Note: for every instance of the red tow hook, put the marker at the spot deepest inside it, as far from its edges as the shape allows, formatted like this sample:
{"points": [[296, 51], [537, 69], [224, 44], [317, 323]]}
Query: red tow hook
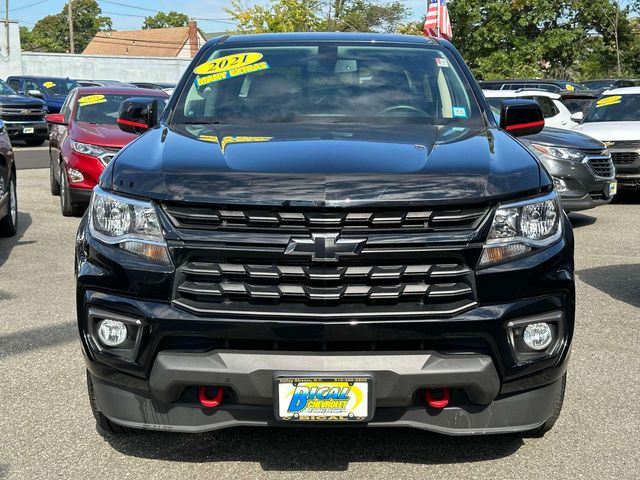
{"points": [[442, 402], [210, 402]]}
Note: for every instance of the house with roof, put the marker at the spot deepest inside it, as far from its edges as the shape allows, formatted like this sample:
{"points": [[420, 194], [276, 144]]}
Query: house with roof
{"points": [[175, 42]]}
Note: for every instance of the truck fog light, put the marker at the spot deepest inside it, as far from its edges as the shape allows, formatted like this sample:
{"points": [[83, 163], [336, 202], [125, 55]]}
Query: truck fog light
{"points": [[112, 332], [538, 336], [75, 176], [560, 185]]}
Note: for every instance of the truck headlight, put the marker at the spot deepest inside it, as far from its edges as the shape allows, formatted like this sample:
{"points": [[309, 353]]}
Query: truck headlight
{"points": [[131, 225], [87, 149], [522, 227], [556, 153]]}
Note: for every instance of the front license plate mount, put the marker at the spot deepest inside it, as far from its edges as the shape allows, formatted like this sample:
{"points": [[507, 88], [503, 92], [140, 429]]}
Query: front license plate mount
{"points": [[613, 188], [28, 130], [337, 398]]}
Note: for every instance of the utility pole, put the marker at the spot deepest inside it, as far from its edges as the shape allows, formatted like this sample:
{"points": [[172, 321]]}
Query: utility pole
{"points": [[6, 23], [70, 14]]}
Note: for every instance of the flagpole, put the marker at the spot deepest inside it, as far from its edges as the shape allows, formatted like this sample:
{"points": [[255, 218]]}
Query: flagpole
{"points": [[438, 19]]}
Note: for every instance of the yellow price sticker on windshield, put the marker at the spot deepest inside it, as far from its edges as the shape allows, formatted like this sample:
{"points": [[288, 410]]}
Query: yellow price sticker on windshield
{"points": [[49, 84], [569, 87], [230, 62], [607, 101], [91, 100]]}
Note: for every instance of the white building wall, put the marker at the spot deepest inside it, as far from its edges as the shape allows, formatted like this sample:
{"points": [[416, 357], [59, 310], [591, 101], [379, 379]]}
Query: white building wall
{"points": [[10, 63], [104, 67]]}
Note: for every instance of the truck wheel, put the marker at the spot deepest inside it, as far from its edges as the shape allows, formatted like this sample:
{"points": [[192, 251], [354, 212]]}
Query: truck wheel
{"points": [[548, 425], [102, 422], [55, 186], [66, 203], [34, 142], [9, 224]]}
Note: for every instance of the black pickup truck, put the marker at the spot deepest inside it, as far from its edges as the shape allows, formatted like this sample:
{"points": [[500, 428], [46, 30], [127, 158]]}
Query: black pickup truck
{"points": [[23, 116], [326, 229]]}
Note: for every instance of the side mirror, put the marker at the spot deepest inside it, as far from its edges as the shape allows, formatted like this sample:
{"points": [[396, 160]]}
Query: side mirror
{"points": [[521, 117], [137, 115], [577, 117], [35, 93], [56, 118]]}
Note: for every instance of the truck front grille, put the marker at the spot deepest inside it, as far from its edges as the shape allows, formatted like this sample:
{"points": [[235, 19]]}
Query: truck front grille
{"points": [[624, 158]]}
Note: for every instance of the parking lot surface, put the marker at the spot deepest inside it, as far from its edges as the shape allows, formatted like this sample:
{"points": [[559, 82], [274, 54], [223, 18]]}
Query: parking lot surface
{"points": [[47, 431]]}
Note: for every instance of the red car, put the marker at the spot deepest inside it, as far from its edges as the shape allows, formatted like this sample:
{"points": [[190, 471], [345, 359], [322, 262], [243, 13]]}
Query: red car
{"points": [[84, 138]]}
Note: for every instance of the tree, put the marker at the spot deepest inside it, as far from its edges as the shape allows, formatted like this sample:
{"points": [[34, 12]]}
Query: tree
{"points": [[165, 20], [319, 15], [51, 33]]}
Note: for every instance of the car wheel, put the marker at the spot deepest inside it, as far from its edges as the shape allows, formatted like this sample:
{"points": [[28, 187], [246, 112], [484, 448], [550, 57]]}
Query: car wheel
{"points": [[557, 408], [55, 186], [66, 202], [103, 423], [34, 142], [9, 224]]}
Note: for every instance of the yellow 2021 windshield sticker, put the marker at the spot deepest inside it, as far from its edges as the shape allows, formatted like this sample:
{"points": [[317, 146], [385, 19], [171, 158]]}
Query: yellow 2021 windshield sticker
{"points": [[49, 84], [229, 66], [91, 100], [607, 101]]}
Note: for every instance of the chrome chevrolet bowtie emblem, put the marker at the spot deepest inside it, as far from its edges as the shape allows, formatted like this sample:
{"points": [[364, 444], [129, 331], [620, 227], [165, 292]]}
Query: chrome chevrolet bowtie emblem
{"points": [[325, 247], [609, 144]]}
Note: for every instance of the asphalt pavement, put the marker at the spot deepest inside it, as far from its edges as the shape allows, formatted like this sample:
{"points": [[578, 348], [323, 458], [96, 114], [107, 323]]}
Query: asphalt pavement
{"points": [[47, 431]]}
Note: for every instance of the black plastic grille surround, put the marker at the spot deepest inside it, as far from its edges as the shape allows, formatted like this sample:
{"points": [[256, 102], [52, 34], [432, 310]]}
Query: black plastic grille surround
{"points": [[377, 274]]}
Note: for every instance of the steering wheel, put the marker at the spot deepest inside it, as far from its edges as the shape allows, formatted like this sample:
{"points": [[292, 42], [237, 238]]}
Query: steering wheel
{"points": [[405, 107]]}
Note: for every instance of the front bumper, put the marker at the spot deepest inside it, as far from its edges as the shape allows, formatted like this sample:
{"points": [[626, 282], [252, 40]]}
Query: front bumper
{"points": [[16, 130]]}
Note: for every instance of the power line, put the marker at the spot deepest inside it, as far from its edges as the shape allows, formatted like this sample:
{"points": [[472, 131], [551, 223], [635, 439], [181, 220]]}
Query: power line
{"points": [[135, 7]]}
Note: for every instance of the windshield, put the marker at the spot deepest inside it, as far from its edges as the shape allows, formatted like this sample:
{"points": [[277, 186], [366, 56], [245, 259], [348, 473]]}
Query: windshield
{"points": [[59, 87], [103, 109], [615, 108], [6, 89], [327, 83], [598, 84]]}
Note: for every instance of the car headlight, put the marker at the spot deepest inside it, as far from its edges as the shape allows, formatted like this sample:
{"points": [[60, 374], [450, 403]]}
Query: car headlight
{"points": [[87, 149], [131, 225], [557, 153], [520, 228]]}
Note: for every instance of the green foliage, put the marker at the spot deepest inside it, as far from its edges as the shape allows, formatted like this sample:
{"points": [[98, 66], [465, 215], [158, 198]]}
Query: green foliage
{"points": [[51, 33], [319, 15], [165, 20]]}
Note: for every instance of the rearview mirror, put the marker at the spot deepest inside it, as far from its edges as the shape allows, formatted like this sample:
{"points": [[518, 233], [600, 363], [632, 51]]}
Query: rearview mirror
{"points": [[521, 117], [56, 118], [577, 117], [137, 115], [35, 93]]}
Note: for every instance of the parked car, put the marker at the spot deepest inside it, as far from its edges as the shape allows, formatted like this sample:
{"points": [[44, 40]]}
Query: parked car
{"points": [[581, 167], [578, 101], [105, 83], [8, 191], [22, 117], [326, 228], [84, 139], [548, 85], [556, 114], [52, 90], [155, 85], [600, 86], [615, 120]]}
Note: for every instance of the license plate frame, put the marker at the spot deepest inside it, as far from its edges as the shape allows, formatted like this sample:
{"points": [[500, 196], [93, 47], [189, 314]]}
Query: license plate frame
{"points": [[362, 411], [613, 188], [28, 130]]}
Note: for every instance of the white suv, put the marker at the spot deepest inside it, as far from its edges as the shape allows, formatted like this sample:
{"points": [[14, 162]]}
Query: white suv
{"points": [[555, 113]]}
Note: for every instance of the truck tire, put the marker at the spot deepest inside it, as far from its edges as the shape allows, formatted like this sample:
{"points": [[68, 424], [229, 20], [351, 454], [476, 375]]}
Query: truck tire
{"points": [[53, 182], [9, 224], [103, 423], [548, 425]]}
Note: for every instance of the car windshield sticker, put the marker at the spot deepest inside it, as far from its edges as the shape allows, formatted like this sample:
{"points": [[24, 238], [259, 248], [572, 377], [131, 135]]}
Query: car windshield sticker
{"points": [[229, 67], [229, 140], [49, 84], [91, 100], [459, 112], [442, 62], [569, 87], [606, 101]]}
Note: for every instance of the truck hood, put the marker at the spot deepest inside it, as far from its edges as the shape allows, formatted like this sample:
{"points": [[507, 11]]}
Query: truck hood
{"points": [[13, 100], [611, 131], [103, 135], [324, 165]]}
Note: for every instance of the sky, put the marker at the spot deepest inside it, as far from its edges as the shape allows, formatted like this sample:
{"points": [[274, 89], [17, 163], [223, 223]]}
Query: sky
{"points": [[129, 14]]}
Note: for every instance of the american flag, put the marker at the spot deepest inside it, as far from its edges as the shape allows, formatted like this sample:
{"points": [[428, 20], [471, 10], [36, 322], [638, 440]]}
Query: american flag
{"points": [[438, 23]]}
